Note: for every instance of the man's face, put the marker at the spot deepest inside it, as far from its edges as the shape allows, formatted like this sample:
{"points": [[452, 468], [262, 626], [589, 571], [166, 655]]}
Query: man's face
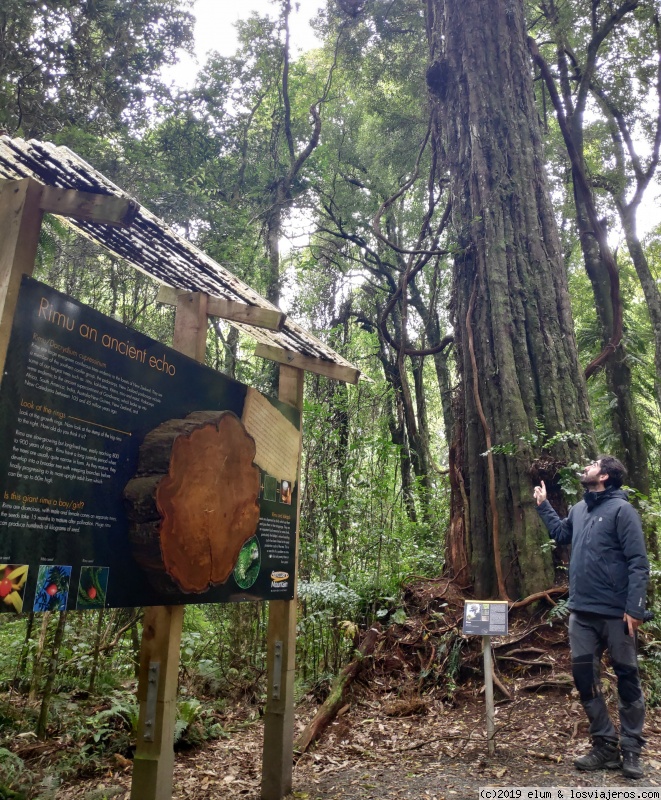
{"points": [[592, 476]]}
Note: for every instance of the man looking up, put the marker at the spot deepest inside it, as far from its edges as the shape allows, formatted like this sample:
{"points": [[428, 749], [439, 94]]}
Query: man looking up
{"points": [[608, 574]]}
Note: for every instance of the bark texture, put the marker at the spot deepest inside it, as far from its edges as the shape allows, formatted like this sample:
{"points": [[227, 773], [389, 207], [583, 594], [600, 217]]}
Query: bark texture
{"points": [[524, 352]]}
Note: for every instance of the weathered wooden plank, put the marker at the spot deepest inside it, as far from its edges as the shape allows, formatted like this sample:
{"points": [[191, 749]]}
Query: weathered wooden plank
{"points": [[317, 365], [20, 222], [191, 324], [153, 763], [107, 209], [278, 752], [231, 310]]}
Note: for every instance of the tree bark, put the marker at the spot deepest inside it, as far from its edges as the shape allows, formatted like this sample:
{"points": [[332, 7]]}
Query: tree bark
{"points": [[649, 286], [23, 663], [96, 653], [397, 426], [509, 251]]}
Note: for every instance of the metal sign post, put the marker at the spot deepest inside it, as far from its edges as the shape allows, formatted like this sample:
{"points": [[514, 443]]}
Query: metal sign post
{"points": [[488, 693], [487, 618]]}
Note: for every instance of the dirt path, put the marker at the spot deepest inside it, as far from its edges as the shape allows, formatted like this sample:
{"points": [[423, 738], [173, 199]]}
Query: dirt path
{"points": [[438, 755]]}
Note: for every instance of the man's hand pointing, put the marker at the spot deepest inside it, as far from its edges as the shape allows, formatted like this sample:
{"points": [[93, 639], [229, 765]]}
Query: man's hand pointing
{"points": [[540, 493]]}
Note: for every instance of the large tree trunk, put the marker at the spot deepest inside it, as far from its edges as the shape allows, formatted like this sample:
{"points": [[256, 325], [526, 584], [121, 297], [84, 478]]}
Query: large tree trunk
{"points": [[399, 428], [96, 650], [510, 276], [398, 437]]}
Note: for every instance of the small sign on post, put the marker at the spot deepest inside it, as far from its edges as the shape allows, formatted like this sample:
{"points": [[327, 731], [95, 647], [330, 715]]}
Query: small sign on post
{"points": [[486, 618]]}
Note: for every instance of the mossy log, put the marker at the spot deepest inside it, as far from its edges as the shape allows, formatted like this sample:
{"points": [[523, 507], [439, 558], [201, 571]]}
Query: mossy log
{"points": [[194, 500], [335, 700]]}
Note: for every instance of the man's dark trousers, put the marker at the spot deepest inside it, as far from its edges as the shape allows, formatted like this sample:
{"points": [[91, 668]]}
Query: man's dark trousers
{"points": [[589, 636]]}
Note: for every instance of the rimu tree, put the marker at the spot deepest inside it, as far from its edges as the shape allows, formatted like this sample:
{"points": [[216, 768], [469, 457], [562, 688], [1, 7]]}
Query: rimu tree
{"points": [[514, 338]]}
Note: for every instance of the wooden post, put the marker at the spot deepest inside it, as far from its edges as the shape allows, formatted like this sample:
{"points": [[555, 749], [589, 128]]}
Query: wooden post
{"points": [[488, 694], [20, 222], [278, 752], [153, 764]]}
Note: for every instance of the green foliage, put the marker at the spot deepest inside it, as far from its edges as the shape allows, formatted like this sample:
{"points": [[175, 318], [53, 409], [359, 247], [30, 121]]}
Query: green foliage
{"points": [[328, 596], [539, 442], [399, 617], [122, 715], [12, 644], [326, 606], [569, 481], [559, 612], [650, 663], [86, 65], [649, 509], [14, 776], [506, 449], [209, 162], [650, 669], [88, 734], [196, 724], [453, 665], [536, 443], [188, 712]]}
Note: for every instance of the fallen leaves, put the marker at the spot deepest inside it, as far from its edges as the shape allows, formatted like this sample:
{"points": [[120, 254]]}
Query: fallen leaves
{"points": [[439, 756]]}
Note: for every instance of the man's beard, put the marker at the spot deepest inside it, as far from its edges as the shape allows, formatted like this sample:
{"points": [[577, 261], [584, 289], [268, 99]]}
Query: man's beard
{"points": [[587, 483]]}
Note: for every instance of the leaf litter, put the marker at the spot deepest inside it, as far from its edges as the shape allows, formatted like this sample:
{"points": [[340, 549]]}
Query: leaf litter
{"points": [[405, 731]]}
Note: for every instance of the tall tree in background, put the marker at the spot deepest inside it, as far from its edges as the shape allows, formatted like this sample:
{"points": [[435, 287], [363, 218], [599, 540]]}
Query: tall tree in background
{"points": [[514, 338], [380, 214]]}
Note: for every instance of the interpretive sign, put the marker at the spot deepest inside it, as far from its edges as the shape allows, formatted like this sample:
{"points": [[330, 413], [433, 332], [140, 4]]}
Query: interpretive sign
{"points": [[131, 475], [485, 617]]}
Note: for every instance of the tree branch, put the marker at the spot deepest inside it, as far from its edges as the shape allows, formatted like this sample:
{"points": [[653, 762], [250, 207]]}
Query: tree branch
{"points": [[583, 185]]}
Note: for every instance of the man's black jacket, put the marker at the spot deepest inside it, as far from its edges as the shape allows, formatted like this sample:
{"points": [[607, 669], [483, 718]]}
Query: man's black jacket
{"points": [[608, 568]]}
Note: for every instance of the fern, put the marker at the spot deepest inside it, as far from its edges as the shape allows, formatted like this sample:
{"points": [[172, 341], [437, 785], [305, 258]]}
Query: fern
{"points": [[559, 612]]}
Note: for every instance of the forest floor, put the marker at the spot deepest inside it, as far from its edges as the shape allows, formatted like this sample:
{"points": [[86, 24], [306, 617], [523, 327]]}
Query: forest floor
{"points": [[413, 724], [438, 755]]}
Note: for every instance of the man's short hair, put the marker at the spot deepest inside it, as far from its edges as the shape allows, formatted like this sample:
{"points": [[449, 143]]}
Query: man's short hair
{"points": [[615, 470]]}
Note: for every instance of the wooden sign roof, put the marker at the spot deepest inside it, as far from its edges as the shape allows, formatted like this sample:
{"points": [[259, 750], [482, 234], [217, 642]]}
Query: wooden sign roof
{"points": [[146, 242]]}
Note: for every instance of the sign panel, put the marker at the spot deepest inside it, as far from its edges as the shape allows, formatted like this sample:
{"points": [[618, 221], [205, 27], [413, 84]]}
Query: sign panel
{"points": [[485, 617], [132, 475]]}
